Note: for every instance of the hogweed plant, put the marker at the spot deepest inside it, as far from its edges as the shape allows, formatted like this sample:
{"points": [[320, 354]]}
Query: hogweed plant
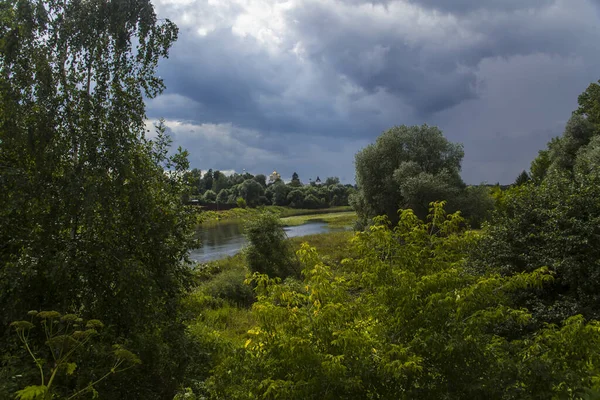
{"points": [[63, 336]]}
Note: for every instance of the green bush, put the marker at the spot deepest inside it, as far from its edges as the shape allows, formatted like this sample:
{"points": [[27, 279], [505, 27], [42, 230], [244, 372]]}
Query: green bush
{"points": [[209, 196], [554, 224], [229, 285], [269, 252], [241, 203]]}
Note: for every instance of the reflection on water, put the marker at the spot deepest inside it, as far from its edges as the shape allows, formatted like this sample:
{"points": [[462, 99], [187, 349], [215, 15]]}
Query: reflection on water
{"points": [[227, 239]]}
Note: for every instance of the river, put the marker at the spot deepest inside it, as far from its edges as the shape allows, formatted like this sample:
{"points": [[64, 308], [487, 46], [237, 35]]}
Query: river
{"points": [[227, 239]]}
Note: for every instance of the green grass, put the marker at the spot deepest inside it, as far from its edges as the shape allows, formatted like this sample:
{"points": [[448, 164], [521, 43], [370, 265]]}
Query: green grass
{"points": [[220, 324], [206, 271], [291, 212], [334, 219], [331, 246], [236, 215], [217, 311]]}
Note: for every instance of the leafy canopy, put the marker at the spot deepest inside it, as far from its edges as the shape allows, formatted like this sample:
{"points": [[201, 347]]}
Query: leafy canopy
{"points": [[403, 318], [89, 221], [408, 167]]}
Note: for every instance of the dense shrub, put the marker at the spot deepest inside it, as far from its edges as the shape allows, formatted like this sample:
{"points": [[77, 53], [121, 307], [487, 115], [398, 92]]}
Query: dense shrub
{"points": [[269, 253], [555, 224], [209, 196], [229, 285], [404, 319]]}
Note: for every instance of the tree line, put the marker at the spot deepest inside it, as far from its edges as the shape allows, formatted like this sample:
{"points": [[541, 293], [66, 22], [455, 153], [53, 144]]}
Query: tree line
{"points": [[256, 190]]}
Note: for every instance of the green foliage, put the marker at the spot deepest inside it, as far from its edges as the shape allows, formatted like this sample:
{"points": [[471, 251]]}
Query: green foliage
{"points": [[311, 201], [55, 351], [295, 198], [404, 319], [229, 285], [295, 182], [476, 203], [229, 188], [223, 196], [210, 196], [268, 251], [562, 152], [588, 158], [419, 188], [278, 192], [261, 179], [539, 166], [408, 167], [332, 180], [522, 179], [332, 246], [33, 393], [554, 224], [89, 220], [589, 104], [208, 180], [251, 191], [241, 203]]}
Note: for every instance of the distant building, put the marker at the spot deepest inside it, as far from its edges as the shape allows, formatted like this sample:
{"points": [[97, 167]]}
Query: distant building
{"points": [[318, 181], [274, 177]]}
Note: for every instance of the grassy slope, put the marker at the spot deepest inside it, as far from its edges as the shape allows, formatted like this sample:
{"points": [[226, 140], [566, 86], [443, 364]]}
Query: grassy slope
{"points": [[333, 219], [290, 212], [331, 246], [237, 214], [210, 317]]}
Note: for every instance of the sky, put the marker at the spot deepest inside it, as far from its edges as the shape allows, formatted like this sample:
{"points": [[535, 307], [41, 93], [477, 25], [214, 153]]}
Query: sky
{"points": [[302, 85]]}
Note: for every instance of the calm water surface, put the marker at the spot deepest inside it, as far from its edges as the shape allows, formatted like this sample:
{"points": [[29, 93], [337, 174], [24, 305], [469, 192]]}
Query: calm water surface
{"points": [[227, 239]]}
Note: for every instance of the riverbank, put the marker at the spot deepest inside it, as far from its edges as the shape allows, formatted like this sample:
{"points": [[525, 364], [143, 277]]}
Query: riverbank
{"points": [[225, 238], [334, 220], [332, 245], [207, 218], [219, 307]]}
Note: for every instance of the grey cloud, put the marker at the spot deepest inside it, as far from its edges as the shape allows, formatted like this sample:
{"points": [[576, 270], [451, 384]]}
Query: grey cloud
{"points": [[498, 76], [430, 75], [231, 79], [470, 6], [223, 146], [219, 74]]}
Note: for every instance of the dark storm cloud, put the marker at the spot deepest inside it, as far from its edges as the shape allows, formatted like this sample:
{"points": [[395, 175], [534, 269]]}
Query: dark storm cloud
{"points": [[231, 79], [262, 82], [219, 75], [434, 70], [376, 57]]}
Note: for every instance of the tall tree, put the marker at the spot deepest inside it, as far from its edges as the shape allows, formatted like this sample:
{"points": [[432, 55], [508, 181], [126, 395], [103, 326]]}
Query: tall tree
{"points": [[539, 166], [522, 179], [251, 191], [220, 181], [589, 104], [402, 166], [208, 180], [561, 152], [262, 179], [295, 180], [332, 180], [89, 221]]}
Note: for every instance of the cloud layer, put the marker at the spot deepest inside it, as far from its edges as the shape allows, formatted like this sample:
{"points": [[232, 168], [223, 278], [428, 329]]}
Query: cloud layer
{"points": [[302, 85]]}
